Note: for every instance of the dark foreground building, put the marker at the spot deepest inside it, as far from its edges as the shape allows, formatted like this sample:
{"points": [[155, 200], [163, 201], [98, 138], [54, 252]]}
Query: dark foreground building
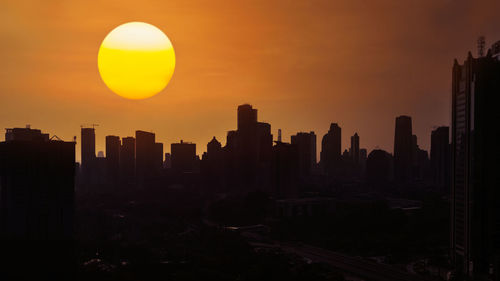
{"points": [[36, 206], [475, 192]]}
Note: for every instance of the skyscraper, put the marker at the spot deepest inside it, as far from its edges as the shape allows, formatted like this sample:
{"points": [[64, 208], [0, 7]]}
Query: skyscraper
{"points": [[36, 204], [306, 149], [127, 160], [87, 153], [440, 157], [144, 155], [475, 192], [403, 149], [379, 167], [285, 168], [183, 156], [331, 149], [158, 156], [355, 148], [113, 158], [247, 116]]}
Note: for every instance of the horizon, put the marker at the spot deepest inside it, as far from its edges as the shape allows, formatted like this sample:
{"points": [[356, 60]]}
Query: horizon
{"points": [[51, 80]]}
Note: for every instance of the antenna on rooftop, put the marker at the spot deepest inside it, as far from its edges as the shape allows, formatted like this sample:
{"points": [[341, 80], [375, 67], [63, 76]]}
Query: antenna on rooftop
{"points": [[480, 46], [279, 135]]}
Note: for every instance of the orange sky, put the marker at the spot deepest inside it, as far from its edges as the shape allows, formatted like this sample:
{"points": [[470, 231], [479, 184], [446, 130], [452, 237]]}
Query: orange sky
{"points": [[302, 64]]}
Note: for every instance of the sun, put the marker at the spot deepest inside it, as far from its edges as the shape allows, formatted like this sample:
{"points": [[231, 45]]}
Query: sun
{"points": [[136, 60]]}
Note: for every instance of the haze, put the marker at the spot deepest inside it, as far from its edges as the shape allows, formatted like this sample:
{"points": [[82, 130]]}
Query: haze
{"points": [[302, 64]]}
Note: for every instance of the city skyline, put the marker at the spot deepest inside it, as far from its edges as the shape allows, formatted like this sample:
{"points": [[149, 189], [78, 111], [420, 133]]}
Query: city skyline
{"points": [[294, 93]]}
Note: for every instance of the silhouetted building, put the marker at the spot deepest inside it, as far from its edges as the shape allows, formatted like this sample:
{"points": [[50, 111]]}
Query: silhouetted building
{"points": [[88, 154], [127, 160], [183, 156], [213, 165], [403, 149], [379, 167], [214, 148], [113, 158], [247, 117], [36, 205], [249, 152], [475, 212], [158, 156], [440, 157], [331, 149], [355, 148], [306, 148], [285, 168], [144, 156]]}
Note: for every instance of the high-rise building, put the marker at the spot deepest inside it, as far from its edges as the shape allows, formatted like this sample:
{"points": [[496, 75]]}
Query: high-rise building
{"points": [[306, 148], [36, 204], [440, 157], [247, 116], [183, 156], [379, 167], [403, 149], [113, 158], [144, 156], [285, 168], [331, 150], [127, 160], [475, 192], [158, 156], [214, 148], [88, 154], [355, 148]]}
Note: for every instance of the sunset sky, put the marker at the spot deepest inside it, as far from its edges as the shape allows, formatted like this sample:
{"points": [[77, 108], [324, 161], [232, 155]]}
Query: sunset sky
{"points": [[302, 64]]}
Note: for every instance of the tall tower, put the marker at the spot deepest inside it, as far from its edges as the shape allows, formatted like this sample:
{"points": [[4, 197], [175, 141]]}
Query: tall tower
{"points": [[144, 155], [306, 148], [403, 149], [355, 148], [331, 149], [88, 146], [247, 117], [475, 211], [113, 157]]}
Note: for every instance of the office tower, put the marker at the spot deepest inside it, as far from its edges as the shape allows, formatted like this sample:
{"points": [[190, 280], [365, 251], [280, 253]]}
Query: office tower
{"points": [[88, 154], [403, 149], [247, 116], [113, 158], [36, 205], [440, 157], [475, 192], [212, 166], [249, 152], [183, 156], [158, 156], [355, 148], [214, 148], [127, 160], [379, 167], [331, 149], [285, 168], [144, 156], [306, 148]]}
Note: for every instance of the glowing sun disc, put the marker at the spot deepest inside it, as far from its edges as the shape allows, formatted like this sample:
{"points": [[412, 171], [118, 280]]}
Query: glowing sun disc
{"points": [[136, 60]]}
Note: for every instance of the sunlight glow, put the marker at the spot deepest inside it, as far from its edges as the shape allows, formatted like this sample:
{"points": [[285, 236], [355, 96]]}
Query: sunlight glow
{"points": [[136, 60]]}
